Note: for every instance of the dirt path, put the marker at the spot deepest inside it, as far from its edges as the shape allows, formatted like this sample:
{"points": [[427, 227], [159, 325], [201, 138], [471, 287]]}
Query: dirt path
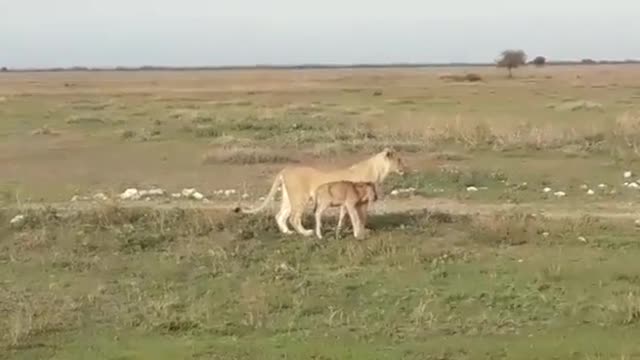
{"points": [[618, 210]]}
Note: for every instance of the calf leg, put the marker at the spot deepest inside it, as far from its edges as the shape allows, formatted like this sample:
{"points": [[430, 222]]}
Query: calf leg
{"points": [[319, 212], [355, 220], [343, 210]]}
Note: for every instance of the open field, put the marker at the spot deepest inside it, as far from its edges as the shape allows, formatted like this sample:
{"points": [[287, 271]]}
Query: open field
{"points": [[507, 271]]}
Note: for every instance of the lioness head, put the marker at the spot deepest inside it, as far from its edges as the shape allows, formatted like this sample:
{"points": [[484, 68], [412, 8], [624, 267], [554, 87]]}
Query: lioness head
{"points": [[395, 162]]}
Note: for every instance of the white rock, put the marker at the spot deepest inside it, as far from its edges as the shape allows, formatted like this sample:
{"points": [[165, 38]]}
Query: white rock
{"points": [[625, 184], [130, 194], [590, 192], [602, 186], [394, 192], [196, 195], [155, 192], [559, 193], [188, 192], [582, 239], [219, 192], [100, 196], [627, 174], [245, 196], [546, 190], [637, 222], [143, 193], [584, 186], [261, 198], [75, 198], [545, 234], [176, 195], [472, 189], [633, 185], [17, 220]]}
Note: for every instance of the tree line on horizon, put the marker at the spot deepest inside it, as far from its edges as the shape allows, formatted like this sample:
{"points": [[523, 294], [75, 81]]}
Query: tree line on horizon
{"points": [[509, 59]]}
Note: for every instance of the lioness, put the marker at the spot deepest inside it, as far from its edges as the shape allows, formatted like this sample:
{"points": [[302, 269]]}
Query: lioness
{"points": [[352, 197], [299, 182]]}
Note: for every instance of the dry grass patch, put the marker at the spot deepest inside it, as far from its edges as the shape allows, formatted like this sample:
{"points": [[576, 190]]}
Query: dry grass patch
{"points": [[246, 156], [470, 77]]}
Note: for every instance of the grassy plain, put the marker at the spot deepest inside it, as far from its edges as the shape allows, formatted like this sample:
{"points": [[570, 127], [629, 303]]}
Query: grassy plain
{"points": [[479, 278]]}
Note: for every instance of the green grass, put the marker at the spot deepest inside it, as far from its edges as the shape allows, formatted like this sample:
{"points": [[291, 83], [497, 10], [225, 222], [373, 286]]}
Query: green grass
{"points": [[147, 283], [136, 284]]}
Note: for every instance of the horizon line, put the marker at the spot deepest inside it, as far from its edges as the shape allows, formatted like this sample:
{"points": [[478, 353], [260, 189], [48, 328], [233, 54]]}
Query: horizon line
{"points": [[303, 66]]}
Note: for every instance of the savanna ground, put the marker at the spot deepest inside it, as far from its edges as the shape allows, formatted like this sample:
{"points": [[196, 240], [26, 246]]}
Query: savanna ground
{"points": [[508, 271]]}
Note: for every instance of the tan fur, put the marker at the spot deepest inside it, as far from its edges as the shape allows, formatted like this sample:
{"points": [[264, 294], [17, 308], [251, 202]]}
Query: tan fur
{"points": [[299, 183], [351, 197]]}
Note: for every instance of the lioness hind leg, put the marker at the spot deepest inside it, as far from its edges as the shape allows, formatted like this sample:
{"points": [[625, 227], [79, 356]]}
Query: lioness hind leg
{"points": [[284, 213], [318, 214], [296, 216]]}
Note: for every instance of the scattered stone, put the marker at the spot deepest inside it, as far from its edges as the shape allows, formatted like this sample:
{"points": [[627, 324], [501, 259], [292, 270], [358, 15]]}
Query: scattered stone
{"points": [[99, 197], [584, 186], [559, 194], [602, 186], [188, 192], [637, 222], [582, 239], [198, 196], [176, 195], [590, 192], [17, 220], [546, 190], [472, 189], [627, 174], [155, 192], [130, 194], [633, 185], [545, 234], [245, 196], [396, 192]]}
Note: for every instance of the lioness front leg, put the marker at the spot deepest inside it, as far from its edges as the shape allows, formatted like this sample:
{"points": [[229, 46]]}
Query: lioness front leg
{"points": [[362, 213]]}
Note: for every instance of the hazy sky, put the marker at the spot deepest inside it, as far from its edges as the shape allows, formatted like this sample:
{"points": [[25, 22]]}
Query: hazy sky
{"points": [[39, 33]]}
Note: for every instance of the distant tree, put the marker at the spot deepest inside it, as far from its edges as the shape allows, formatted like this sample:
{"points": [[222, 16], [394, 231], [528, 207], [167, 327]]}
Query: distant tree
{"points": [[539, 61], [588, 61], [4, 69], [512, 59]]}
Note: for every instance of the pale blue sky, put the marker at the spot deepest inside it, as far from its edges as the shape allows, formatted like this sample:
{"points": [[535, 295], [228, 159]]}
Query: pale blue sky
{"points": [[43, 33]]}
